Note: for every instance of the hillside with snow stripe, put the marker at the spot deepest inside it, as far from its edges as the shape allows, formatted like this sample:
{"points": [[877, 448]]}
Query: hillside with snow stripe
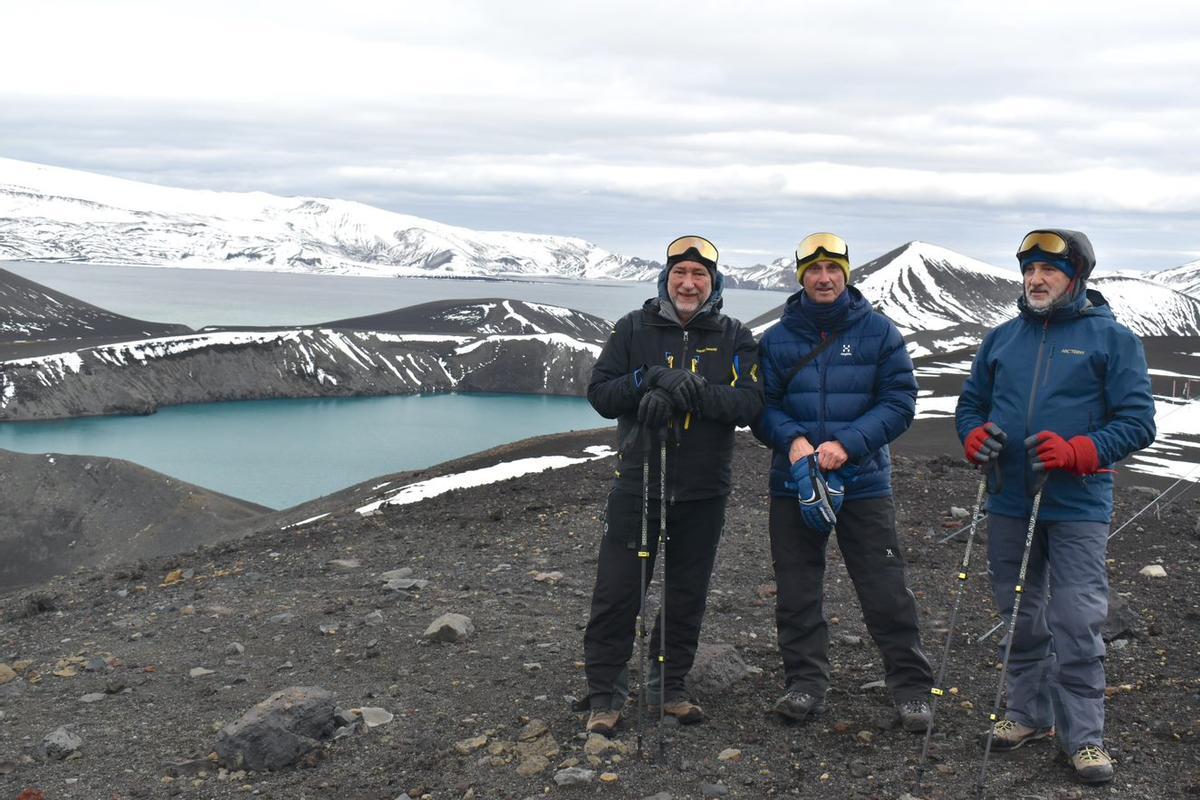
{"points": [[137, 377]]}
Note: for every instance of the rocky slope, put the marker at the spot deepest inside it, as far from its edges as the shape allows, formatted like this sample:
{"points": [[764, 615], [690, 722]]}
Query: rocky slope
{"points": [[144, 666], [59, 512]]}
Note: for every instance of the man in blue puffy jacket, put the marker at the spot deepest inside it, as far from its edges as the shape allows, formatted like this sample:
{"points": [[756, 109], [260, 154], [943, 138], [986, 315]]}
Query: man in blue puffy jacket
{"points": [[1056, 394], [838, 386]]}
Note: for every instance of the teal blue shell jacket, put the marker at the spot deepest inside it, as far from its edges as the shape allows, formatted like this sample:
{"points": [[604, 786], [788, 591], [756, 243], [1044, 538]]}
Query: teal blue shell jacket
{"points": [[1075, 371]]}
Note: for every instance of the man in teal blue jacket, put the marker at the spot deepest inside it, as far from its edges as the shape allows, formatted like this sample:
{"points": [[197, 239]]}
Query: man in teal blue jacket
{"points": [[1058, 394]]}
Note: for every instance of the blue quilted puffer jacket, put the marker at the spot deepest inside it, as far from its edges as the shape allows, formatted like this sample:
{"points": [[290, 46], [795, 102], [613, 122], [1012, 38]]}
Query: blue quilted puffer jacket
{"points": [[860, 391]]}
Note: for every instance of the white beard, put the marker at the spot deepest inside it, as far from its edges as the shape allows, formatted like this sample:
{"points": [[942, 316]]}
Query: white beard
{"points": [[1040, 306]]}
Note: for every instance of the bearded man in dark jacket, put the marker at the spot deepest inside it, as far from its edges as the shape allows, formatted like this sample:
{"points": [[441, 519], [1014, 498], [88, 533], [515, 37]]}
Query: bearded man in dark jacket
{"points": [[839, 387], [1055, 396], [676, 360]]}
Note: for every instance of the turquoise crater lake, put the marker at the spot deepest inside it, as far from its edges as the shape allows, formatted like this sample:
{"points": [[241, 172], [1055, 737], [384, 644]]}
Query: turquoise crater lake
{"points": [[283, 452]]}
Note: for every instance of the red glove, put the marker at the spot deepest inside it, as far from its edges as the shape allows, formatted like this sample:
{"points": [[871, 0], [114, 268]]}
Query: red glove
{"points": [[984, 443], [1047, 450]]}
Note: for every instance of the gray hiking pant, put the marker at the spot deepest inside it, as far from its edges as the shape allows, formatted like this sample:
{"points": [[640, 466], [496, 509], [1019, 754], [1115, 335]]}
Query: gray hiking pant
{"points": [[1056, 668]]}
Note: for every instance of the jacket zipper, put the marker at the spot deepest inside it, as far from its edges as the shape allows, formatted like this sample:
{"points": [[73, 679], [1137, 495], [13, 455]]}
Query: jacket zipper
{"points": [[683, 362], [1037, 367], [821, 392]]}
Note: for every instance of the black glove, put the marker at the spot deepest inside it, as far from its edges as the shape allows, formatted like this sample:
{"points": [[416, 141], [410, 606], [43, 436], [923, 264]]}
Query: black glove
{"points": [[686, 388], [655, 409], [650, 378]]}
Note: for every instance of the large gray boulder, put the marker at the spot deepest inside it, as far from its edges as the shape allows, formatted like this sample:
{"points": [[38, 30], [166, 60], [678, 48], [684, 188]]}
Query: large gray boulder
{"points": [[60, 743], [279, 731], [716, 669]]}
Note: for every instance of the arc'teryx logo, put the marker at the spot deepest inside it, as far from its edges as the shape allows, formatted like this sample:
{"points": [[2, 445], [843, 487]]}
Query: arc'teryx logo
{"points": [[846, 351], [1071, 351]]}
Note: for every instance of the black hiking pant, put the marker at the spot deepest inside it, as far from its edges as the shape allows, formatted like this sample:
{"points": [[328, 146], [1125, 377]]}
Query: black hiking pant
{"points": [[693, 532], [866, 533]]}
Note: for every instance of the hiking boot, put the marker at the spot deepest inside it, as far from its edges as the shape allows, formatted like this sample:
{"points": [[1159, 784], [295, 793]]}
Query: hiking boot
{"points": [[799, 706], [1092, 765], [915, 715], [1009, 735], [684, 710], [603, 720]]}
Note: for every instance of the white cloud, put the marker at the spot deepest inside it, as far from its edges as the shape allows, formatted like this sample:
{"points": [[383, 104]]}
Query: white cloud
{"points": [[625, 120]]}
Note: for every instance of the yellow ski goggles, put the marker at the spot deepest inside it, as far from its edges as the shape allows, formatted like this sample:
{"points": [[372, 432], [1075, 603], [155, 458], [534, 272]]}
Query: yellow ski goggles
{"points": [[817, 245], [706, 251], [1049, 243]]}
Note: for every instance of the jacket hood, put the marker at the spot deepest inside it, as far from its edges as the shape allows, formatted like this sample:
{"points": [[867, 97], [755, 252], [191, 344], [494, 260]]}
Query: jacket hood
{"points": [[796, 313], [1082, 258]]}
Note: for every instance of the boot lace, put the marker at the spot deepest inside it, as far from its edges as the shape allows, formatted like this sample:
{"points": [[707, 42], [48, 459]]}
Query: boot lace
{"points": [[1005, 726], [1090, 754]]}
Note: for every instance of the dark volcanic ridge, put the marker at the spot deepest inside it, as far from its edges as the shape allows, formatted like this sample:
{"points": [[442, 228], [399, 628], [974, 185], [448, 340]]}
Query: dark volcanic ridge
{"points": [[481, 316], [32, 312], [170, 649]]}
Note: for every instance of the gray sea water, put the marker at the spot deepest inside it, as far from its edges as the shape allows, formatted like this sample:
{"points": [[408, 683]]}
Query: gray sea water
{"points": [[280, 453], [199, 297]]}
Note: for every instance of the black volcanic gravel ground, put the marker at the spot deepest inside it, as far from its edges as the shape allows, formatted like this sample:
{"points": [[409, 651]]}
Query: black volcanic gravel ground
{"points": [[481, 549]]}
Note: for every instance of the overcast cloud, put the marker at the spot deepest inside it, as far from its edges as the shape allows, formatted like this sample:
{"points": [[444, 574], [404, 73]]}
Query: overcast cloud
{"points": [[963, 124]]}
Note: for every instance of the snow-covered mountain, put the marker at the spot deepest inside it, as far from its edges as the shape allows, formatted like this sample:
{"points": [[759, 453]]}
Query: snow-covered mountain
{"points": [[51, 213], [1149, 308], [1184, 278], [944, 301]]}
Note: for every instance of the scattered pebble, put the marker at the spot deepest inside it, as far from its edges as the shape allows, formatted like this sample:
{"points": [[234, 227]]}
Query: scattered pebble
{"points": [[574, 776], [450, 628], [1153, 571]]}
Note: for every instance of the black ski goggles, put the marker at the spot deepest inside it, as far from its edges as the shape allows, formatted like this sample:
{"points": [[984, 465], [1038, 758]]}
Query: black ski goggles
{"points": [[686, 248], [1049, 243], [814, 247]]}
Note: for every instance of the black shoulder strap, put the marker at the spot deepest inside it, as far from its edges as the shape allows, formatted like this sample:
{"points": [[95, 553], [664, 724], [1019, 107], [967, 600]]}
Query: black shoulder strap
{"points": [[816, 351]]}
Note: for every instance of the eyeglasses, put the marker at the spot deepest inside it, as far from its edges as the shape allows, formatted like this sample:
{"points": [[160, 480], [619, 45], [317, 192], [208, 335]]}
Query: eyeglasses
{"points": [[702, 247], [818, 244], [1050, 243]]}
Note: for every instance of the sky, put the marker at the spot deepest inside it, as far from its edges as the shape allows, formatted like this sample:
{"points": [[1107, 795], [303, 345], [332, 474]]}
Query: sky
{"points": [[629, 123]]}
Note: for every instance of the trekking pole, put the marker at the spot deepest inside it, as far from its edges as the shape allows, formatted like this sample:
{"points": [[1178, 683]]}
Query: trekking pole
{"points": [[938, 688], [643, 556], [662, 606], [1012, 627]]}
